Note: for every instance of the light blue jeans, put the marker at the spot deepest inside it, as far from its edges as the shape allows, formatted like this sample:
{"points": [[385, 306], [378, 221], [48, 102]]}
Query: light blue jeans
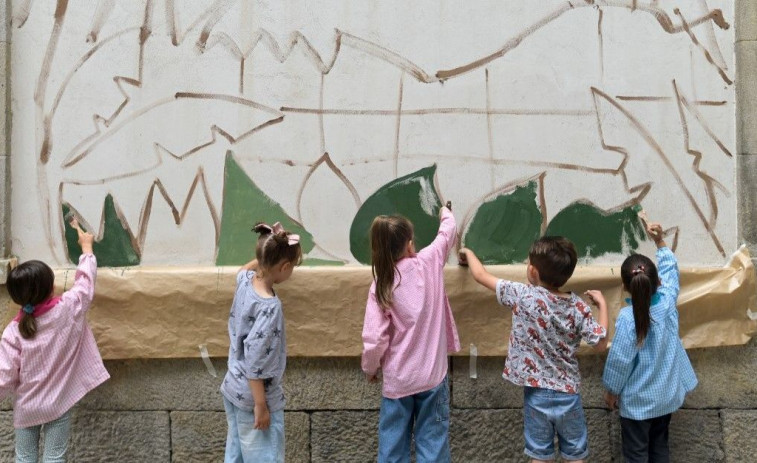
{"points": [[547, 412], [425, 416], [245, 444], [56, 441]]}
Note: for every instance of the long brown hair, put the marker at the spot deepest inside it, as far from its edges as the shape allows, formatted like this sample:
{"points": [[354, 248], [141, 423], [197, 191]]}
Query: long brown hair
{"points": [[30, 283], [390, 235], [640, 278]]}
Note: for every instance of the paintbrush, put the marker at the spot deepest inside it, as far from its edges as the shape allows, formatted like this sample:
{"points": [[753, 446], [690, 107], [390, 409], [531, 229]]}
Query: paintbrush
{"points": [[72, 218]]}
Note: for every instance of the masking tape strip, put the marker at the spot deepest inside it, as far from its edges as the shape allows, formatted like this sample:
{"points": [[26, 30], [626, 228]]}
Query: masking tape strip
{"points": [[472, 364], [206, 360]]}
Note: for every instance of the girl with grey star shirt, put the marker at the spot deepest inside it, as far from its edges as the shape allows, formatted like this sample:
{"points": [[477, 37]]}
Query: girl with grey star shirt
{"points": [[253, 395]]}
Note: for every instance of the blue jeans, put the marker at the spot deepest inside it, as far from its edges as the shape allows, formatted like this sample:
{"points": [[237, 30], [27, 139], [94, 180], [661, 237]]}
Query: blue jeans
{"points": [[424, 415], [56, 441], [245, 444], [546, 412]]}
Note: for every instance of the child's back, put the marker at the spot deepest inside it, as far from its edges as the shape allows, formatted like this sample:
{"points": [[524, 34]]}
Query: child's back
{"points": [[53, 370], [48, 355], [655, 376], [547, 330], [407, 333], [410, 341]]}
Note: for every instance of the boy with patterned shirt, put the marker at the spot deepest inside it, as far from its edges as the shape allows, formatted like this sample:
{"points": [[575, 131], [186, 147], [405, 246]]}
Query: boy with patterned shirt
{"points": [[547, 328]]}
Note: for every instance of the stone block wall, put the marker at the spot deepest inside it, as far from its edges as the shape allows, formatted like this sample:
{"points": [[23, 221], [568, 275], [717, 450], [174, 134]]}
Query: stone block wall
{"points": [[171, 411]]}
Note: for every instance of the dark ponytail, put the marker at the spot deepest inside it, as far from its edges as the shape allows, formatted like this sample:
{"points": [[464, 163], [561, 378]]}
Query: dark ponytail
{"points": [[640, 278], [389, 237], [30, 283]]}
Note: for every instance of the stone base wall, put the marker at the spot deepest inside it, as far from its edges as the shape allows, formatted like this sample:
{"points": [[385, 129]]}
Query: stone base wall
{"points": [[171, 410]]}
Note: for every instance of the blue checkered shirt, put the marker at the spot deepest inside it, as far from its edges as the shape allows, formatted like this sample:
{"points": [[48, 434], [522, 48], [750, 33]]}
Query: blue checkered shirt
{"points": [[651, 380]]}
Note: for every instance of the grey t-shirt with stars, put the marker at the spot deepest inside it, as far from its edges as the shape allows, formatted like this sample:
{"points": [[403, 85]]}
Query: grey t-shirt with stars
{"points": [[257, 348]]}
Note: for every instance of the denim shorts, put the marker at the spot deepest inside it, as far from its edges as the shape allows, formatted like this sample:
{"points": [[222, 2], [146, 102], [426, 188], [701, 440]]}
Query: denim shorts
{"points": [[547, 412]]}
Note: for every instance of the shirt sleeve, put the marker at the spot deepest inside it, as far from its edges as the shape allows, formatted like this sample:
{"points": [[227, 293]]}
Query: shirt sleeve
{"points": [[375, 335], [591, 331], [509, 293], [262, 346], [667, 267], [621, 358], [244, 275], [445, 239], [80, 296], [10, 364]]}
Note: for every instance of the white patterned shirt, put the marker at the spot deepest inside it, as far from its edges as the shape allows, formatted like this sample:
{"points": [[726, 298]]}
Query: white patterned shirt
{"points": [[546, 332]]}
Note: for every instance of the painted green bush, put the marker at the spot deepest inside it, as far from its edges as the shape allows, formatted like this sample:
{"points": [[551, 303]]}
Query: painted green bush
{"points": [[595, 232], [413, 196], [115, 249], [503, 228], [244, 204]]}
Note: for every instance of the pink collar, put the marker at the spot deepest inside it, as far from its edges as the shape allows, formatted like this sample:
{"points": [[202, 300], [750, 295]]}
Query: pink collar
{"points": [[40, 309]]}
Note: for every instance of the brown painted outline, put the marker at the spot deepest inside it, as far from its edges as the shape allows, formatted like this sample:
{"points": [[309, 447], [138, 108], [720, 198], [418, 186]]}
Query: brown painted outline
{"points": [[644, 133], [660, 15]]}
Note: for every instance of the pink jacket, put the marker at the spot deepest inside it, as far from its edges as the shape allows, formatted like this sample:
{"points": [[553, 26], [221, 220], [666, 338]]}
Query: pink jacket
{"points": [[411, 340], [52, 371]]}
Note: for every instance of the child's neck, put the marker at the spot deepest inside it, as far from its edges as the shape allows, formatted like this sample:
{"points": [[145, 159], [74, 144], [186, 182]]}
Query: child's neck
{"points": [[553, 290], [263, 285]]}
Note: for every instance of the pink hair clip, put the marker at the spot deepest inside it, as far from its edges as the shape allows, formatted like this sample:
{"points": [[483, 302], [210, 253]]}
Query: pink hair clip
{"points": [[638, 270], [278, 228]]}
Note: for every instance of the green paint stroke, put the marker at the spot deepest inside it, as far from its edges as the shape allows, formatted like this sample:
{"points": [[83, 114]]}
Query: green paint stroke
{"points": [[244, 204], [115, 249], [595, 232], [413, 196], [503, 229]]}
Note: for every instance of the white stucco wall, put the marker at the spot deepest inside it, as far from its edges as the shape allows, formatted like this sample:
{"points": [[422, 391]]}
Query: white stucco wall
{"points": [[610, 103]]}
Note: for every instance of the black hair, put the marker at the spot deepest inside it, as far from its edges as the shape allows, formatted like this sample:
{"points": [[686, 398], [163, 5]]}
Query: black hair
{"points": [[640, 278], [30, 283]]}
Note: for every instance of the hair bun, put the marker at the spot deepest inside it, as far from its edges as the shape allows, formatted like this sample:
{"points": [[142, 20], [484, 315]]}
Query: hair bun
{"points": [[281, 238], [262, 229]]}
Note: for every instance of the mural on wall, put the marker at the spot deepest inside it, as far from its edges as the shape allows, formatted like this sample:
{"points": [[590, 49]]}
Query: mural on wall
{"points": [[171, 126]]}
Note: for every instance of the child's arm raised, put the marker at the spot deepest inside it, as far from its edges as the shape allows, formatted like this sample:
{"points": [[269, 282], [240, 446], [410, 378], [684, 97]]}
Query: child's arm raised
{"points": [[667, 265], [375, 337], [477, 270], [445, 237], [83, 290]]}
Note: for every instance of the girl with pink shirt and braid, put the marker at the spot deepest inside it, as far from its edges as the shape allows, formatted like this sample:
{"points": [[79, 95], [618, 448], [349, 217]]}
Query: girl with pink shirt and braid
{"points": [[48, 355], [407, 333]]}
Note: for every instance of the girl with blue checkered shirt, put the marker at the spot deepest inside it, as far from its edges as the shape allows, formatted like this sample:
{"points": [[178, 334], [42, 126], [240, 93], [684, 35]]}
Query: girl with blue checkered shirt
{"points": [[648, 373]]}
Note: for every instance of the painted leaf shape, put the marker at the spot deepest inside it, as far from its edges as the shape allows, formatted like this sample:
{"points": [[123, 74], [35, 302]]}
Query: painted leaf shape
{"points": [[595, 232], [413, 196], [502, 230], [116, 246], [244, 204]]}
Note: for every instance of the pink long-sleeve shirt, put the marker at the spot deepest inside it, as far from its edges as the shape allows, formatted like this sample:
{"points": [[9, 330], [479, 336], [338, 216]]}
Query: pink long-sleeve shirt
{"points": [[52, 371], [410, 341]]}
